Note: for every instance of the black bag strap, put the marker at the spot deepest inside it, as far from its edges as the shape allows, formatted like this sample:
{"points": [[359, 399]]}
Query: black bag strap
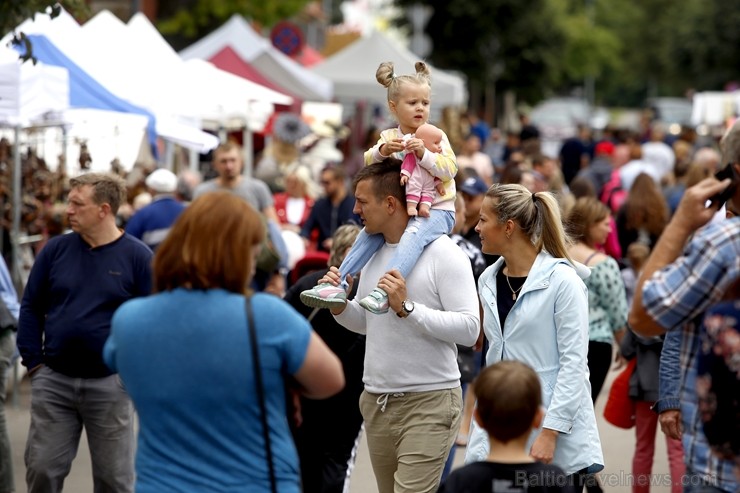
{"points": [[260, 391]]}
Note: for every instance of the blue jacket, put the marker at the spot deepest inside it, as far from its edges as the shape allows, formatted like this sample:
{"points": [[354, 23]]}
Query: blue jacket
{"points": [[547, 328], [152, 223], [669, 374]]}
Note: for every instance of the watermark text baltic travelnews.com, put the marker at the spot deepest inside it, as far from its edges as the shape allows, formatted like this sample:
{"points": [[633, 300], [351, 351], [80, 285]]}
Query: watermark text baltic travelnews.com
{"points": [[611, 479]]}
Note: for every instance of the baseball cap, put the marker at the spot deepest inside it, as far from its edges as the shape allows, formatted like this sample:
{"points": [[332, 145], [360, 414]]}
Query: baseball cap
{"points": [[474, 186], [604, 147], [162, 181]]}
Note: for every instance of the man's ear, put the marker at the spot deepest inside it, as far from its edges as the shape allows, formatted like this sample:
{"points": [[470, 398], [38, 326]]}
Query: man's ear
{"points": [[104, 209]]}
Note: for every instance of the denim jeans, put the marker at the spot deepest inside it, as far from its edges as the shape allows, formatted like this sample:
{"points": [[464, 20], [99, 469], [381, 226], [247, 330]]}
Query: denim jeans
{"points": [[7, 347], [419, 232], [703, 488], [60, 407]]}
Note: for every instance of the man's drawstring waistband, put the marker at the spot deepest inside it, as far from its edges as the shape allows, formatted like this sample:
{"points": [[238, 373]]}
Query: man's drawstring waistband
{"points": [[383, 399]]}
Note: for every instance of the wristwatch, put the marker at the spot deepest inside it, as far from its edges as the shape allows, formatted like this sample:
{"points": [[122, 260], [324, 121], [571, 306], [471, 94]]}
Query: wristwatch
{"points": [[406, 308]]}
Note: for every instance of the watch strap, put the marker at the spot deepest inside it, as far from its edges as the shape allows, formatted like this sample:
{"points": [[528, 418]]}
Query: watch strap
{"points": [[403, 313]]}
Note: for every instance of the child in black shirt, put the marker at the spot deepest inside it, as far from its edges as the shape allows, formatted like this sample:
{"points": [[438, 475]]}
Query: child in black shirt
{"points": [[509, 407]]}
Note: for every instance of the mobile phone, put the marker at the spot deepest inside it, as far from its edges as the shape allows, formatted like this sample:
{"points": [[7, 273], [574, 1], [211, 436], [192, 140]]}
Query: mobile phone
{"points": [[719, 199]]}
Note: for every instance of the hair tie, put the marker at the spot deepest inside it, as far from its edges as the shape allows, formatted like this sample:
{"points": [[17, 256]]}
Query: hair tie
{"points": [[534, 198], [393, 75]]}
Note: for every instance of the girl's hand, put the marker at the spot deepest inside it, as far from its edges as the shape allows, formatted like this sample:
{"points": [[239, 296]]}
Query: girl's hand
{"points": [[416, 146], [404, 179], [390, 147]]}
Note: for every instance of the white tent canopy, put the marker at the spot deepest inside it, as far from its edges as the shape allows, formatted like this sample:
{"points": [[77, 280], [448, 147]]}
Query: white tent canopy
{"points": [[90, 54], [28, 90], [268, 60], [353, 72], [204, 77], [38, 96], [214, 96], [715, 107], [140, 60]]}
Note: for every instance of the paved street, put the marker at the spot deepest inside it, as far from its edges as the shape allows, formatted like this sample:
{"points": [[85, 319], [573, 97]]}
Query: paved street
{"points": [[618, 446]]}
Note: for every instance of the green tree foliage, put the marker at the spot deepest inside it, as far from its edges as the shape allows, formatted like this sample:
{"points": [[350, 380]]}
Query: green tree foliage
{"points": [[705, 47], [518, 44], [14, 12], [192, 19], [589, 49], [633, 49]]}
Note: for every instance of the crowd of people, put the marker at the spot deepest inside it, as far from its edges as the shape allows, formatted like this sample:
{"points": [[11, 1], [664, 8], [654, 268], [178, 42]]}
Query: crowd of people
{"points": [[478, 291]]}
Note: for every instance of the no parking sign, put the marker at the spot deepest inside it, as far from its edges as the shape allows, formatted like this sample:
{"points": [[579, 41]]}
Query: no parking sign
{"points": [[287, 37]]}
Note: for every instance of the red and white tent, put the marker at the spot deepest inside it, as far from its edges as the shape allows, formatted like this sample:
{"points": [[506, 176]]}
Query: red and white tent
{"points": [[258, 53]]}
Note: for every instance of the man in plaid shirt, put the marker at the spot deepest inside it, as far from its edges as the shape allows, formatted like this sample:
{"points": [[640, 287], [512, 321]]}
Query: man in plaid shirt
{"points": [[679, 282]]}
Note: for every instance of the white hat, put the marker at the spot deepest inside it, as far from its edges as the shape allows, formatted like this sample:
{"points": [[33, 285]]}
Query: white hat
{"points": [[162, 181]]}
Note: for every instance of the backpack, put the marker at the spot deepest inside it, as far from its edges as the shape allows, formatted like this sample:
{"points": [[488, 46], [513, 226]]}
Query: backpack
{"points": [[613, 195]]}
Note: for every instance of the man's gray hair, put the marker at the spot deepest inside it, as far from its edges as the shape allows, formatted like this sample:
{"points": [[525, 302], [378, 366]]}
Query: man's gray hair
{"points": [[107, 188], [730, 145]]}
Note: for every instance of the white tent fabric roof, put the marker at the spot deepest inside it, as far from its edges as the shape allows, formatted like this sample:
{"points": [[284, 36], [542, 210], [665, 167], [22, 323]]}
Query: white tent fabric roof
{"points": [[38, 96], [108, 134], [216, 88], [136, 63], [353, 72], [67, 35], [199, 92], [230, 100], [714, 107], [268, 60], [59, 27], [28, 91]]}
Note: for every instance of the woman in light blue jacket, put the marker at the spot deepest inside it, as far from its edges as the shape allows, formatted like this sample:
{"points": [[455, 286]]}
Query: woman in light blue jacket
{"points": [[535, 309]]}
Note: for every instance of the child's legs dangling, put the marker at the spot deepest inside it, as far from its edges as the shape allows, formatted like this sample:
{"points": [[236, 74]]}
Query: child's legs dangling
{"points": [[362, 250], [418, 234]]}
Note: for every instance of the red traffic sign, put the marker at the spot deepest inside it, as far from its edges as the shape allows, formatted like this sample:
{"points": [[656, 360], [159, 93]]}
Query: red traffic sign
{"points": [[287, 37]]}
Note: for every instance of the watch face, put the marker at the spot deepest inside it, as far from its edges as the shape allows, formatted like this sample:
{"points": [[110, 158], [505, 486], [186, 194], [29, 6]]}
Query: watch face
{"points": [[408, 306]]}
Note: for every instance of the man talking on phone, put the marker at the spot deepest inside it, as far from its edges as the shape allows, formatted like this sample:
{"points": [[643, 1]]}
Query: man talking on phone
{"points": [[681, 279]]}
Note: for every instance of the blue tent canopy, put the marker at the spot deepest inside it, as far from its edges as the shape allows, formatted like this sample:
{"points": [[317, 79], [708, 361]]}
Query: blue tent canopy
{"points": [[84, 91]]}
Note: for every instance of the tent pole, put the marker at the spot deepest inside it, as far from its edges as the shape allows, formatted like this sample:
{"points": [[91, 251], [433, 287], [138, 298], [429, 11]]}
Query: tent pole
{"points": [[17, 201], [193, 159], [65, 150], [248, 138], [169, 155]]}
